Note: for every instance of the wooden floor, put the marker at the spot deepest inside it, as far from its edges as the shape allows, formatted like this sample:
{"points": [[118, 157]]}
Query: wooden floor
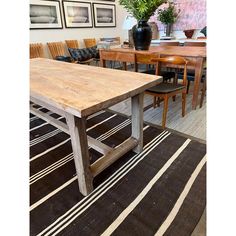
{"points": [[193, 124]]}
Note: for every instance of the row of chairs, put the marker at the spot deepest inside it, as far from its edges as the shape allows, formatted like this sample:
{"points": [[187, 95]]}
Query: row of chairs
{"points": [[58, 49], [163, 91]]}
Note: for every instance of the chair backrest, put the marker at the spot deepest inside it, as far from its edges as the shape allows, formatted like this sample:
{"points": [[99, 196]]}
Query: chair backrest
{"points": [[124, 57], [195, 44], [172, 60], [36, 50], [169, 43], [90, 42], [72, 43], [144, 59], [56, 49]]}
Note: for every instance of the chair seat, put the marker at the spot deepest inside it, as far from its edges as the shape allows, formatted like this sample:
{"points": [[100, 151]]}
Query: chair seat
{"points": [[166, 88]]}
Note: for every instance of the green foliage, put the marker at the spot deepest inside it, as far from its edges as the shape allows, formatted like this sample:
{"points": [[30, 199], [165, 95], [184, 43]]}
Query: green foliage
{"points": [[141, 9], [169, 14]]}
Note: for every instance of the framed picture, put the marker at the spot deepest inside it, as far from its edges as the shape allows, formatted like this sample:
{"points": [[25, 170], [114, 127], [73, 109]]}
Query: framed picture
{"points": [[77, 14], [45, 15], [104, 15]]}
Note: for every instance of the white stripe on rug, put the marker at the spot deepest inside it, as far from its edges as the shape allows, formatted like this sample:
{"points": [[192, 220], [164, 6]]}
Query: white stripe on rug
{"points": [[48, 150], [62, 161], [52, 148], [74, 178], [144, 192], [44, 137], [64, 220], [46, 123], [165, 225]]}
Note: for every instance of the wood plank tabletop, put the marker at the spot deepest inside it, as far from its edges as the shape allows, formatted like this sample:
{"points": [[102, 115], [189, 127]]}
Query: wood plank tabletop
{"points": [[185, 51], [82, 89]]}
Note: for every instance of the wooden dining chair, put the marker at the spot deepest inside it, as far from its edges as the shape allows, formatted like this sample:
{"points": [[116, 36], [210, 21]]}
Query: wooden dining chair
{"points": [[124, 57], [90, 42], [169, 43], [195, 44], [166, 90], [72, 43], [36, 50], [56, 49]]}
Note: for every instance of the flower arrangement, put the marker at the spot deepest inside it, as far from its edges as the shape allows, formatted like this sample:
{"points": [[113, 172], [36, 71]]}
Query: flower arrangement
{"points": [[141, 9], [168, 15]]}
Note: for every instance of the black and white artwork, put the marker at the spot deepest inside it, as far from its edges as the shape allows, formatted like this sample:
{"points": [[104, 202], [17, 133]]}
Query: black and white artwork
{"points": [[45, 15], [77, 14], [104, 15]]}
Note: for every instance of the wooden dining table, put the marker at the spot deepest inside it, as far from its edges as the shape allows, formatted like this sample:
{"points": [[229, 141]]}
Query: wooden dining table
{"points": [[195, 55], [76, 91]]}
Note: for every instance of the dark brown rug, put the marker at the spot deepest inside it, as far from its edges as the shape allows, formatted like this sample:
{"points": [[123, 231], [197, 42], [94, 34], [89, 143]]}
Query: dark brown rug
{"points": [[161, 191]]}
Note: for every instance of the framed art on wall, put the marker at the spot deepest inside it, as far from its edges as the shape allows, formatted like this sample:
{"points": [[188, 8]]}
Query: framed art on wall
{"points": [[45, 15], [104, 15], [77, 14]]}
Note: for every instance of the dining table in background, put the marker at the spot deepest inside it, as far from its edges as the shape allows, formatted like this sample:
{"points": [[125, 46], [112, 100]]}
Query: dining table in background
{"points": [[195, 55], [76, 91]]}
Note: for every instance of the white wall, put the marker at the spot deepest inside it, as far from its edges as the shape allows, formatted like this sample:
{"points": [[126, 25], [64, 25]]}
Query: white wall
{"points": [[51, 35]]}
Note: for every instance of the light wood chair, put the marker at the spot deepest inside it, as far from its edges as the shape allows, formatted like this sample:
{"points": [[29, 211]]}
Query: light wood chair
{"points": [[166, 90], [56, 49], [124, 57], [90, 42], [195, 44], [36, 50], [169, 43], [72, 43]]}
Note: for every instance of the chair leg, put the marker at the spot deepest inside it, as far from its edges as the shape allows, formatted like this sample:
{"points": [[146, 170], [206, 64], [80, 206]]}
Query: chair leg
{"points": [[203, 93], [188, 85], [154, 101], [158, 101], [165, 109], [173, 98], [183, 103]]}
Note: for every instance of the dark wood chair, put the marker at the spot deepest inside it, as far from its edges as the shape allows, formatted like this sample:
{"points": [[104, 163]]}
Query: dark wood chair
{"points": [[124, 57], [36, 50], [166, 90]]}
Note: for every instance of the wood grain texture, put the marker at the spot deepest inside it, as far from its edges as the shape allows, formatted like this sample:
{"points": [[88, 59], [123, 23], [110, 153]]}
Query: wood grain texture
{"points": [[83, 90], [36, 50]]}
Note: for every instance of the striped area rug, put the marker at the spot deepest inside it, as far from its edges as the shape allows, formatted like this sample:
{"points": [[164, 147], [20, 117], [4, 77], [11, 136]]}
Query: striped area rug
{"points": [[161, 191]]}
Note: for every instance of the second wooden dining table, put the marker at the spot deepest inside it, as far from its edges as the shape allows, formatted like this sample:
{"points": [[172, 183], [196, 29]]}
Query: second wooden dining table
{"points": [[195, 55]]}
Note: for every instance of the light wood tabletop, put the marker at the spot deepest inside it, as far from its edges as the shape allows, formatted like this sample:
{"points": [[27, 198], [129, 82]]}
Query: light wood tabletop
{"points": [[81, 89], [75, 91]]}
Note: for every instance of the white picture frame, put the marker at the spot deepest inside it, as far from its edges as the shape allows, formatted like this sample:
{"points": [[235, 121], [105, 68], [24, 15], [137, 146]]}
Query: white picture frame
{"points": [[104, 15], [45, 15], [77, 14]]}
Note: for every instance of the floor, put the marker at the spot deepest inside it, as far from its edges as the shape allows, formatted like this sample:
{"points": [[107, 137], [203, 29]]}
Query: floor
{"points": [[193, 124]]}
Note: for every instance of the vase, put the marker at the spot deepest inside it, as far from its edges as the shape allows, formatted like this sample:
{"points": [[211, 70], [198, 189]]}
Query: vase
{"points": [[168, 29], [189, 33], [142, 35]]}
